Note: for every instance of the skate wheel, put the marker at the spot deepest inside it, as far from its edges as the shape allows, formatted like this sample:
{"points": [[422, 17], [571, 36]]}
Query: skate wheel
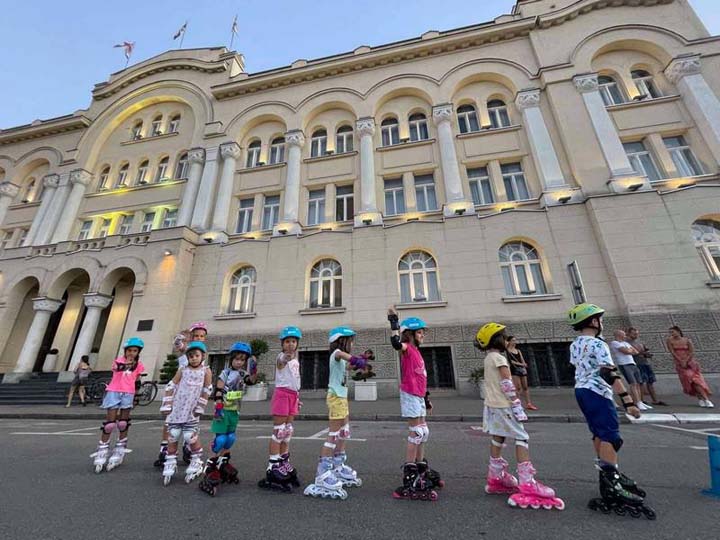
{"points": [[343, 495], [635, 512], [433, 496], [560, 504], [166, 480], [98, 469], [359, 482], [441, 484], [547, 506], [535, 506], [650, 513], [620, 511]]}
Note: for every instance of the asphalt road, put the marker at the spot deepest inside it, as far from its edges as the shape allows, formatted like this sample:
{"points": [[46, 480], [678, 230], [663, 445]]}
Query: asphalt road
{"points": [[50, 491]]}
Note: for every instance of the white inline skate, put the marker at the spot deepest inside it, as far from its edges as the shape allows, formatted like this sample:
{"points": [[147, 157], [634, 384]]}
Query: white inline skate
{"points": [[169, 468], [195, 468], [327, 485], [118, 455], [100, 456], [346, 474]]}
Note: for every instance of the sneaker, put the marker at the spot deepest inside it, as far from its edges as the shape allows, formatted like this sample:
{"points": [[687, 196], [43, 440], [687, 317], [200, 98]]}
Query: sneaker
{"points": [[647, 407], [642, 406], [702, 403], [709, 404]]}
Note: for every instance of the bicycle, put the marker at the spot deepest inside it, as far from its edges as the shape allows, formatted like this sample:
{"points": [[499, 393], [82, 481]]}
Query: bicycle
{"points": [[95, 391], [145, 392]]}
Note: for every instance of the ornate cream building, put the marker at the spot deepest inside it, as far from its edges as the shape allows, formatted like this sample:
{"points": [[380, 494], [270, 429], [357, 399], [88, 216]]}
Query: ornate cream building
{"points": [[495, 171]]}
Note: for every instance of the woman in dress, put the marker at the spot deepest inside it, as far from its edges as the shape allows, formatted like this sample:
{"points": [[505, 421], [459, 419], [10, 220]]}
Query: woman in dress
{"points": [[518, 370], [688, 370]]}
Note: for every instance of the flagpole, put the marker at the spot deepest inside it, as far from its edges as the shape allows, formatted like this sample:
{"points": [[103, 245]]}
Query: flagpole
{"points": [[182, 38], [232, 38], [127, 61]]}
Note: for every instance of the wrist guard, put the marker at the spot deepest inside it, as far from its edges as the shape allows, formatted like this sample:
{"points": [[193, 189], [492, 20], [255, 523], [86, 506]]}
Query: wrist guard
{"points": [[394, 322], [428, 403], [626, 404]]}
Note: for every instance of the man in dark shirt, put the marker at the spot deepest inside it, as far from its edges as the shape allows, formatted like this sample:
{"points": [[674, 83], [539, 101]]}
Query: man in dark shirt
{"points": [[642, 359]]}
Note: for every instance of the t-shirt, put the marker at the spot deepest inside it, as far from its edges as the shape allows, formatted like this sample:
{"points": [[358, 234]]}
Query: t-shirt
{"points": [[413, 376], [234, 380], [124, 380], [588, 355], [621, 359], [289, 376], [337, 381], [494, 396], [639, 347]]}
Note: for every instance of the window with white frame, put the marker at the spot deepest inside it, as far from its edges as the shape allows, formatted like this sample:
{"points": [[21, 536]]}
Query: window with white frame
{"points": [[253, 155], [641, 160], [706, 234], [394, 197], [245, 216], [318, 143], [271, 212], [344, 140], [683, 158], [104, 227], [5, 239], [344, 203], [29, 191], [326, 284], [104, 178], [316, 207], [467, 119], [645, 84], [136, 131], [418, 275], [148, 222], [418, 127], [23, 237], [480, 186], [498, 112], [142, 170], [242, 290], [610, 91], [277, 150], [514, 181], [124, 224], [425, 193], [182, 166], [85, 229], [174, 124], [390, 131], [162, 170], [156, 126], [122, 176], [170, 218], [521, 269]]}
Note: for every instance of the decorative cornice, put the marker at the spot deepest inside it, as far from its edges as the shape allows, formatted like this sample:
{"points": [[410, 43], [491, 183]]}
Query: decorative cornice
{"points": [[230, 150], [582, 7], [586, 83], [196, 155], [51, 181], [43, 128], [682, 66], [442, 113], [80, 176], [97, 300], [45, 303], [295, 138], [8, 189], [527, 99], [365, 126]]}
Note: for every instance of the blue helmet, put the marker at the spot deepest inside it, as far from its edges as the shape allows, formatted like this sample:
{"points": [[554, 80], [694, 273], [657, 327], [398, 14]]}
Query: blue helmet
{"points": [[340, 331], [134, 342], [412, 323], [290, 331], [199, 345], [241, 346]]}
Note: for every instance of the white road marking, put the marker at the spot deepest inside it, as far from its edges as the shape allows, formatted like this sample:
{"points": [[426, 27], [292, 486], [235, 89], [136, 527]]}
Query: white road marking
{"points": [[699, 447], [320, 435], [686, 430], [74, 431], [46, 433]]}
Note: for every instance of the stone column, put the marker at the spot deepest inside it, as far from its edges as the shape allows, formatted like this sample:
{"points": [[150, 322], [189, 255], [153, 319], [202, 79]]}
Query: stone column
{"points": [[44, 307], [80, 179], [288, 223], [55, 209], [8, 191], [196, 158], [701, 101], [229, 152], [456, 203], [369, 213], [50, 183], [204, 200], [94, 304]]}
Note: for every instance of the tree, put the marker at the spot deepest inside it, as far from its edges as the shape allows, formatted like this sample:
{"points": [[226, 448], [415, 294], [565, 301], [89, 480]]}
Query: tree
{"points": [[169, 368], [259, 347]]}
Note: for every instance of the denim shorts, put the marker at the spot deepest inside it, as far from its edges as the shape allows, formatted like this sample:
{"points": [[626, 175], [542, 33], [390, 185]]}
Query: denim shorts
{"points": [[600, 415], [647, 374], [118, 400], [412, 406], [631, 373]]}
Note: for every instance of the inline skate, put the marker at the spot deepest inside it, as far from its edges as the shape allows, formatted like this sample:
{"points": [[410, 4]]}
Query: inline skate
{"points": [[326, 485], [415, 486], [212, 477], [614, 497], [532, 493]]}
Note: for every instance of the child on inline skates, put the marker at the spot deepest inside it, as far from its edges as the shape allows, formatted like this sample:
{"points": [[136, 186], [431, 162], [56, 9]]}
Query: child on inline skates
{"points": [[332, 473], [118, 403], [418, 479], [502, 418], [285, 405], [596, 377], [229, 390], [184, 401]]}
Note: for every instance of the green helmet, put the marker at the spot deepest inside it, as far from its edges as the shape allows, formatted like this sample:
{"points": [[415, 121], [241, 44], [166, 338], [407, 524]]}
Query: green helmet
{"points": [[583, 312]]}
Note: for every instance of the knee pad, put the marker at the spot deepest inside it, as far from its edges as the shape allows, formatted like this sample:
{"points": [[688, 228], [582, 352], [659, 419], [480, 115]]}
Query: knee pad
{"points": [[229, 441], [617, 444], [289, 430], [524, 444], [108, 427], [279, 433], [426, 432], [219, 442], [497, 444], [174, 434], [344, 432], [190, 436], [123, 425], [416, 435]]}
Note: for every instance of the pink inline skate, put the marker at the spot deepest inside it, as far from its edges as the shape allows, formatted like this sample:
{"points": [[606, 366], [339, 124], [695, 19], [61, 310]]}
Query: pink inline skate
{"points": [[499, 480], [532, 493]]}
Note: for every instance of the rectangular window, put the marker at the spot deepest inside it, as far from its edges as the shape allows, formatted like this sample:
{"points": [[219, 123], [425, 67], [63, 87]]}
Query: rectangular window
{"points": [[104, 228], [162, 170], [125, 224], [682, 156], [344, 142], [439, 367], [85, 229], [641, 160], [394, 197], [103, 182], [318, 146], [253, 157], [418, 130], [245, 215], [277, 153], [425, 193], [514, 180], [148, 220], [480, 186], [548, 364], [23, 237], [155, 127], [314, 370], [316, 207], [5, 240], [174, 125], [170, 218], [271, 212], [390, 134], [344, 208]]}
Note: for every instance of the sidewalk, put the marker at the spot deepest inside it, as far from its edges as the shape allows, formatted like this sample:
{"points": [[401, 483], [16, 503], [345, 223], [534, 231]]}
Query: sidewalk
{"points": [[556, 405]]}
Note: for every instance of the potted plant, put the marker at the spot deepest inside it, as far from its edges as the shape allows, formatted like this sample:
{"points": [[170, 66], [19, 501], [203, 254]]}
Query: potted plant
{"points": [[476, 379], [258, 391], [365, 389]]}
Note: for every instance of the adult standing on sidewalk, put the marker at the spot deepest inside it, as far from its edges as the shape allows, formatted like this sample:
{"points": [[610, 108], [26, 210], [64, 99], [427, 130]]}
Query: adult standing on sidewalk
{"points": [[518, 370], [622, 354], [642, 360], [82, 372], [688, 370]]}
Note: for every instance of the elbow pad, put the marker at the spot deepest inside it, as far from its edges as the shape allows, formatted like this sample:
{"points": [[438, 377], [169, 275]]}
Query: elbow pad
{"points": [[396, 343], [609, 375]]}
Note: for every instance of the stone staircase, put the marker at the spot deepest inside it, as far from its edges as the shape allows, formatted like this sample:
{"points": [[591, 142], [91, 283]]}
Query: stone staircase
{"points": [[40, 389]]}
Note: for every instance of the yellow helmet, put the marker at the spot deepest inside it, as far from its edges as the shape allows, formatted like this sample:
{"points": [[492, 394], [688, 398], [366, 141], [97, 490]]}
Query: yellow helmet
{"points": [[487, 332]]}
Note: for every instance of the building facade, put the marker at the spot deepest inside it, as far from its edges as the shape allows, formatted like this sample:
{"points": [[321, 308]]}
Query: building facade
{"points": [[497, 171]]}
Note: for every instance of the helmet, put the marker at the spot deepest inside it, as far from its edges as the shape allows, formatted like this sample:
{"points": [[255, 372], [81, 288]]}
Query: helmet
{"points": [[412, 323], [199, 345], [198, 326], [487, 332], [290, 331], [134, 342], [242, 347], [583, 312], [340, 331]]}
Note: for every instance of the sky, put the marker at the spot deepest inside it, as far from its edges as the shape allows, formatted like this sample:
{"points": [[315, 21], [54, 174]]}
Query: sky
{"points": [[52, 53]]}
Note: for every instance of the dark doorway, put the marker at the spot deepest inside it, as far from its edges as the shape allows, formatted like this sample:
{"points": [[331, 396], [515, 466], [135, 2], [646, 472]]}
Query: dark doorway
{"points": [[548, 363], [314, 370], [439, 367]]}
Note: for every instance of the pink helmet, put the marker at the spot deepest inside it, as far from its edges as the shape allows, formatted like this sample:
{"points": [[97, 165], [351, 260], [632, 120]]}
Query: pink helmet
{"points": [[198, 326]]}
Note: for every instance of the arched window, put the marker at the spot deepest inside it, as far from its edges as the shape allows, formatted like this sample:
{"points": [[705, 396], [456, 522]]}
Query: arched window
{"points": [[344, 140], [136, 131], [156, 126], [242, 290], [277, 150], [326, 284], [706, 234], [141, 177], [162, 170], [104, 178], [418, 278], [498, 112], [418, 127], [610, 91], [253, 154], [174, 124], [122, 176], [29, 191], [645, 84], [181, 169], [389, 128], [521, 269], [467, 119], [318, 143]]}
